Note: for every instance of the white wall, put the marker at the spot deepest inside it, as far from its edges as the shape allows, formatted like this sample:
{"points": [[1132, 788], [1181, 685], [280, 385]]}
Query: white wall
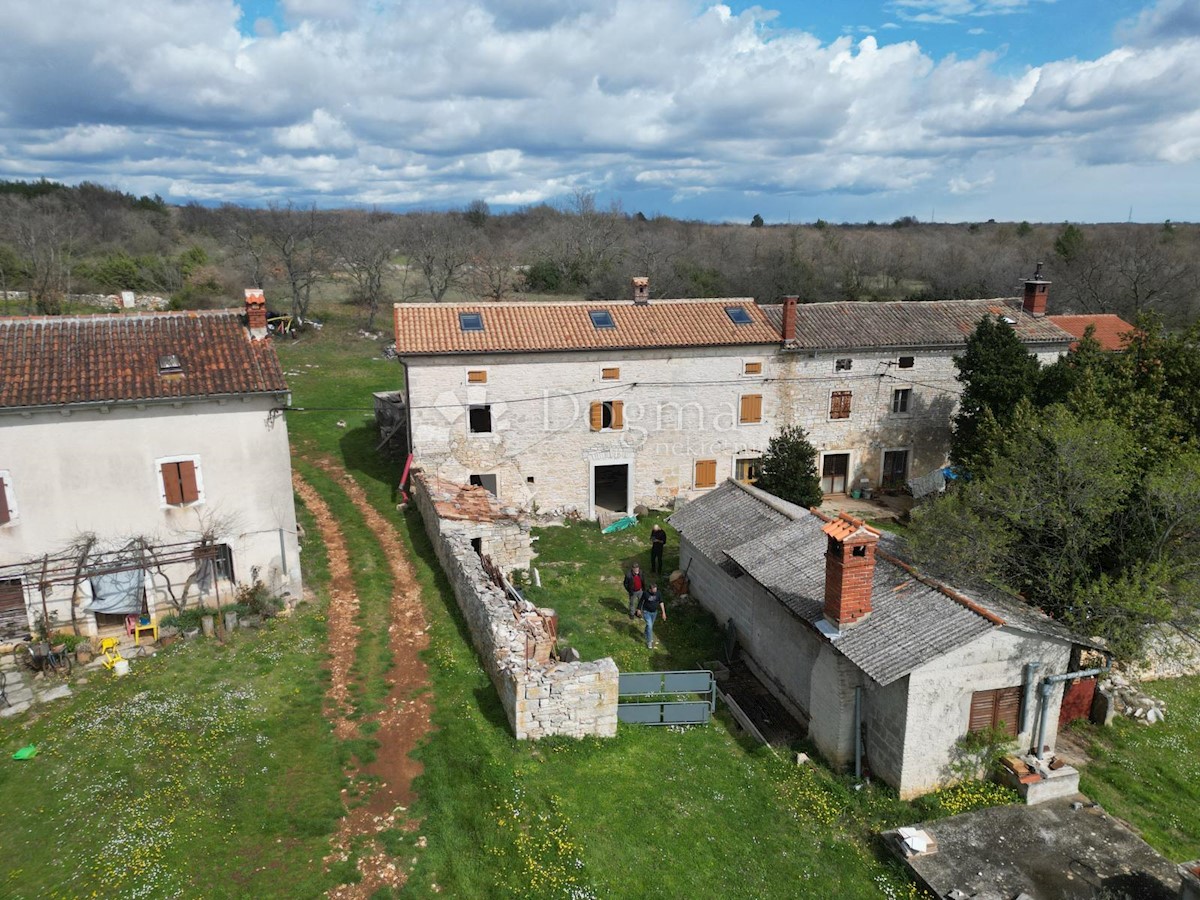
{"points": [[93, 471]]}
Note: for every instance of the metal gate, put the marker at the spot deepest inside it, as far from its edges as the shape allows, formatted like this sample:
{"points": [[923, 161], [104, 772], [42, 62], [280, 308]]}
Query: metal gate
{"points": [[665, 698]]}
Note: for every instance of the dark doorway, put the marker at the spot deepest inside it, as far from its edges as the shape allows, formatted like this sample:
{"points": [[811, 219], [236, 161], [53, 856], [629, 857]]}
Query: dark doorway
{"points": [[612, 488], [833, 473], [895, 469]]}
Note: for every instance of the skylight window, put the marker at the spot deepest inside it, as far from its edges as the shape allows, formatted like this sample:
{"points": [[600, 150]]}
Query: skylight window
{"points": [[470, 321], [602, 318], [738, 315], [170, 364]]}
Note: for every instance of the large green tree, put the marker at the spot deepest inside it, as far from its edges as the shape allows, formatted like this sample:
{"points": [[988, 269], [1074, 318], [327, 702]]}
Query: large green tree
{"points": [[789, 468], [997, 373]]}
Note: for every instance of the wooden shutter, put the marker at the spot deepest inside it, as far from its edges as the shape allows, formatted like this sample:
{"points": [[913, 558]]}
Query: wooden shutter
{"points": [[171, 485], [618, 414], [5, 516], [751, 410], [706, 473], [597, 416], [612, 374], [752, 368], [187, 481], [476, 376], [839, 405], [999, 707]]}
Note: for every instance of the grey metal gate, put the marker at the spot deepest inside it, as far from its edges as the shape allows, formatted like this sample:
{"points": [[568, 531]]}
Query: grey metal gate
{"points": [[652, 698]]}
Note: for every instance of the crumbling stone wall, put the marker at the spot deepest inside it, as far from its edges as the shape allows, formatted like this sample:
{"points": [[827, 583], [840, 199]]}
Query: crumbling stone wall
{"points": [[514, 639]]}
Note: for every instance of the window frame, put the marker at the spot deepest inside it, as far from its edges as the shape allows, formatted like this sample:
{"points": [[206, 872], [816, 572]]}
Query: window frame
{"points": [[471, 376], [756, 400], [606, 320], [485, 407], [739, 316], [197, 475], [993, 705], [605, 370], [739, 461], [900, 364], [748, 372], [835, 413], [463, 317], [843, 364], [10, 514], [616, 415], [907, 394], [696, 464]]}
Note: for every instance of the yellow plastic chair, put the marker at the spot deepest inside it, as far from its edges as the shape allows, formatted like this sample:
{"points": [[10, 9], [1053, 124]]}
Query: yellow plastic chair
{"points": [[110, 651]]}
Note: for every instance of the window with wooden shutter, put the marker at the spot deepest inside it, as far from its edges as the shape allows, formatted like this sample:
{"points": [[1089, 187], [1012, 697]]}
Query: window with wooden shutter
{"points": [[5, 511], [706, 473], [618, 415], [596, 416], [752, 368], [751, 409], [612, 373], [607, 415], [839, 404], [180, 482], [477, 376], [999, 708]]}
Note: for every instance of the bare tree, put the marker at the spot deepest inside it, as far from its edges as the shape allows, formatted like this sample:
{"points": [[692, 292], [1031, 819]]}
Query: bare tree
{"points": [[365, 244], [441, 246], [299, 243], [46, 232]]}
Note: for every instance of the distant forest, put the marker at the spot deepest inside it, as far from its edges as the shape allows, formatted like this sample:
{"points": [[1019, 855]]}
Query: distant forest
{"points": [[58, 240]]}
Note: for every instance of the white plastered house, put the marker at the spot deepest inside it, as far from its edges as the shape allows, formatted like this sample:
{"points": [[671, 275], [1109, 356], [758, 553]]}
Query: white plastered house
{"points": [[888, 667], [160, 430]]}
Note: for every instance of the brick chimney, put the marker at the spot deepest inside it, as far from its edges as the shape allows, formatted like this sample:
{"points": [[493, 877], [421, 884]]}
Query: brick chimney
{"points": [[1037, 292], [641, 290], [849, 570], [789, 318], [256, 313]]}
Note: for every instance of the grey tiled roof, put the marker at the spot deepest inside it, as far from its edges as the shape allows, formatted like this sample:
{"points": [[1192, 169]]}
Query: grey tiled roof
{"points": [[911, 622], [850, 325]]}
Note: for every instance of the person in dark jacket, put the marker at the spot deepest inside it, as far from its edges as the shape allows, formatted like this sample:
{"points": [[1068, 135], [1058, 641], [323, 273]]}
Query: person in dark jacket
{"points": [[635, 584], [658, 541], [650, 608]]}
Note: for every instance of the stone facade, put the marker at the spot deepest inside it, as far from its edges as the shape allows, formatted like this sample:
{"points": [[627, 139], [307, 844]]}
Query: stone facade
{"points": [[514, 639], [679, 408]]}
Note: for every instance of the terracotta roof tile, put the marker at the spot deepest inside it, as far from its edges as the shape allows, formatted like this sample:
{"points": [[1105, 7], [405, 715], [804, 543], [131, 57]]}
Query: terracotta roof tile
{"points": [[1110, 329], [464, 503], [59, 360], [860, 324], [427, 328]]}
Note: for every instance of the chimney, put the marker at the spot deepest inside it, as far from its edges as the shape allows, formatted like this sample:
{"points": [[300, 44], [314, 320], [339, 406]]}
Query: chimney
{"points": [[256, 313], [641, 290], [789, 318], [1037, 292], [849, 570]]}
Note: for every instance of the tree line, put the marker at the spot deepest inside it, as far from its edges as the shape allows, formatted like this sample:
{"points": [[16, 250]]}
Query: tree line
{"points": [[56, 240]]}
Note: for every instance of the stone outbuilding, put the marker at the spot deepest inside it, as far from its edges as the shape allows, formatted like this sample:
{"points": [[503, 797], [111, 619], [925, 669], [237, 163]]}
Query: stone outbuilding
{"points": [[889, 668]]}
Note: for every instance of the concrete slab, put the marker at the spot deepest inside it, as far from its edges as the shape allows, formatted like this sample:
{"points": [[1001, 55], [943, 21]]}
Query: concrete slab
{"points": [[1049, 852]]}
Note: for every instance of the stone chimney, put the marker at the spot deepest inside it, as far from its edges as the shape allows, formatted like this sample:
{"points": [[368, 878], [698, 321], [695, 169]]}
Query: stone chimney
{"points": [[641, 290], [849, 570], [1037, 292], [789, 318], [256, 313]]}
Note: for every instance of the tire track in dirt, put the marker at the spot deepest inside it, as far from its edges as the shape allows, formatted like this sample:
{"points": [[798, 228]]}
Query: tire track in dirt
{"points": [[405, 718]]}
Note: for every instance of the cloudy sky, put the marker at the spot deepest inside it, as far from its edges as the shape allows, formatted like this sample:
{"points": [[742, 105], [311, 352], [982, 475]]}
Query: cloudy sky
{"points": [[955, 110]]}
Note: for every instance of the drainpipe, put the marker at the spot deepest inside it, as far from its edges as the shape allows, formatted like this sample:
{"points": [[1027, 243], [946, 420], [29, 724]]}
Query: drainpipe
{"points": [[1027, 705], [858, 732], [1048, 686]]}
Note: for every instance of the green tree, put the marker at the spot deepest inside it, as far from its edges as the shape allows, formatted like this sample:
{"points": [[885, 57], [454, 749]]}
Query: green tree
{"points": [[1069, 244], [757, 221], [789, 468], [997, 373]]}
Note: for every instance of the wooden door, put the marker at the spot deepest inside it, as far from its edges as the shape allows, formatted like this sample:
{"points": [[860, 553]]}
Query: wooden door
{"points": [[833, 473]]}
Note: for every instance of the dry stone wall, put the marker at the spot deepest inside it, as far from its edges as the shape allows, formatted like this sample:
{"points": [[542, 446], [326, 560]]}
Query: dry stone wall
{"points": [[514, 639]]}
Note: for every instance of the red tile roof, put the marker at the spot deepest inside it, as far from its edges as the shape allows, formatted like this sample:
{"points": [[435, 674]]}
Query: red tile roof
{"points": [[58, 360], [428, 328], [1109, 328]]}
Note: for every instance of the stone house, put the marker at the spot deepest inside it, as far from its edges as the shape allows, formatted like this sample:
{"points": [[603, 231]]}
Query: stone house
{"points": [[161, 436], [605, 405], [889, 668]]}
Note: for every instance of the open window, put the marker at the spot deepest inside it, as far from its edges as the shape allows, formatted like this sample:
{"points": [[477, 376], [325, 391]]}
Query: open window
{"points": [[479, 418], [8, 498], [607, 415]]}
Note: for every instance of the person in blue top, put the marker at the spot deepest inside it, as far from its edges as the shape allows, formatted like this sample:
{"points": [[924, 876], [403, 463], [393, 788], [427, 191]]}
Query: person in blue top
{"points": [[649, 609]]}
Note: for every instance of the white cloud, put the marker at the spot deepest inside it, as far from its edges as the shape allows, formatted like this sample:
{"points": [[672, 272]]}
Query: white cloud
{"points": [[419, 103]]}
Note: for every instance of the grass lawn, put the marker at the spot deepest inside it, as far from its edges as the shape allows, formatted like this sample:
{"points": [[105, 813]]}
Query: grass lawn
{"points": [[1149, 775]]}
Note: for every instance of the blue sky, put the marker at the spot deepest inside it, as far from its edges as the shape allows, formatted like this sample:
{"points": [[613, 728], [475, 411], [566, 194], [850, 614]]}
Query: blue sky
{"points": [[959, 110]]}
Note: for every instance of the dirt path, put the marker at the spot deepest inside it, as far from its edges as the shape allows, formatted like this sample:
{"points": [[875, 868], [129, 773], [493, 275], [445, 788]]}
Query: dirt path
{"points": [[404, 719]]}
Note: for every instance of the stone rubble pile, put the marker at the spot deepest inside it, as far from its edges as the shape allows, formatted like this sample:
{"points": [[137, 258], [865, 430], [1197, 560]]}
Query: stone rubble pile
{"points": [[1126, 699]]}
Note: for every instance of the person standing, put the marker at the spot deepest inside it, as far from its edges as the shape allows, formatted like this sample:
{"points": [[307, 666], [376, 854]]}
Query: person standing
{"points": [[651, 607], [635, 585], [658, 541]]}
